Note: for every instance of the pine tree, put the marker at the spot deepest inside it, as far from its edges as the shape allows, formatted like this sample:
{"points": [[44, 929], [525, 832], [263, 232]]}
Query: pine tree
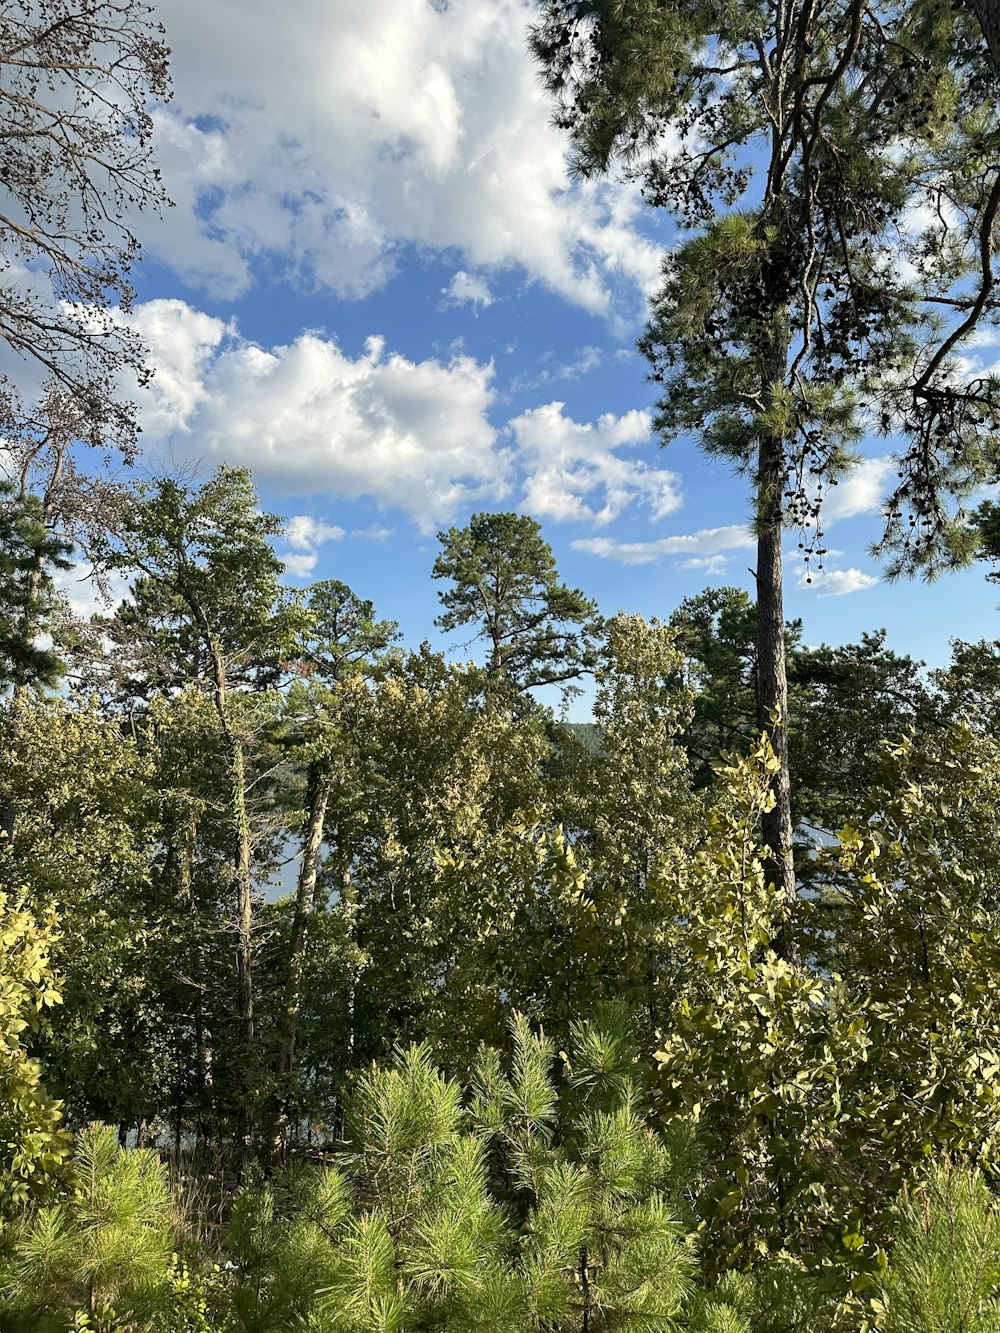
{"points": [[101, 1252], [943, 1275], [504, 582]]}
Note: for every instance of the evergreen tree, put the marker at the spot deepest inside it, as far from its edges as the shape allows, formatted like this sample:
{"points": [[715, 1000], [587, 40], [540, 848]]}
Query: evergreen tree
{"points": [[799, 305], [505, 584], [29, 554], [943, 1277], [102, 1254]]}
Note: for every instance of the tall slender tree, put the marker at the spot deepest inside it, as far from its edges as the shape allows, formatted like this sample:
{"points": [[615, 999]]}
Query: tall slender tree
{"points": [[833, 172], [209, 609], [343, 638]]}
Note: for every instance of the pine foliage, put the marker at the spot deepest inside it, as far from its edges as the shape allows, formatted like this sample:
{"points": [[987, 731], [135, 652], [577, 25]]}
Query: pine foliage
{"points": [[542, 1201], [945, 1271], [106, 1246]]}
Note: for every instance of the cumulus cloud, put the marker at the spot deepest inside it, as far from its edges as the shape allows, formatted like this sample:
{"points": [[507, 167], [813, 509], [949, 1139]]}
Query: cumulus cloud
{"points": [[310, 419], [467, 289], [576, 470], [835, 582], [861, 492], [693, 545], [301, 565], [323, 148], [304, 533], [415, 436]]}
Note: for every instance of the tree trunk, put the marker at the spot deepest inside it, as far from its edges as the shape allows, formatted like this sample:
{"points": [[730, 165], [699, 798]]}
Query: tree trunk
{"points": [[244, 899], [242, 880], [196, 970], [772, 683], [305, 905]]}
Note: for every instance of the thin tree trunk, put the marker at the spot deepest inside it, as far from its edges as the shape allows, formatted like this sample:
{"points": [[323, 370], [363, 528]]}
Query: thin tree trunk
{"points": [[196, 969], [305, 906], [242, 878], [244, 902], [772, 682]]}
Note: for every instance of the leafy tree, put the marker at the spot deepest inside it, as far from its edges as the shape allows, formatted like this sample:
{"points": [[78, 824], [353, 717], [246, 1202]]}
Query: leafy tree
{"points": [[76, 99], [35, 1146], [625, 799], [208, 608], [916, 943], [800, 304], [504, 583], [820, 1087], [447, 775], [82, 848]]}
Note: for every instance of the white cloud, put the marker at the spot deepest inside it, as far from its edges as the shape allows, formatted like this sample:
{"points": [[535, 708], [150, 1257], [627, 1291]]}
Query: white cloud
{"points": [[310, 419], [574, 470], [834, 582], [588, 359], [304, 533], [375, 532], [705, 564], [183, 343], [323, 146], [861, 492], [301, 566], [709, 541], [467, 289]]}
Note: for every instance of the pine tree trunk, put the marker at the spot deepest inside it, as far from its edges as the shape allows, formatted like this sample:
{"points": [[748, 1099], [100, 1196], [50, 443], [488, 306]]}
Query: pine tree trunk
{"points": [[772, 682]]}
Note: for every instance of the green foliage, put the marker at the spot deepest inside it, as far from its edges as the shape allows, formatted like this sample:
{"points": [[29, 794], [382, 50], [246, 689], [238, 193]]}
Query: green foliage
{"points": [[504, 583], [847, 701], [33, 1144], [29, 555], [207, 592], [538, 1206], [343, 634], [786, 314], [104, 1251], [82, 844], [755, 1047], [944, 1275], [916, 938]]}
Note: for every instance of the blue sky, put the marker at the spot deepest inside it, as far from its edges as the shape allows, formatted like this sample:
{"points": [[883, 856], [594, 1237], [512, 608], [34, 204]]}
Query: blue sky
{"points": [[380, 289]]}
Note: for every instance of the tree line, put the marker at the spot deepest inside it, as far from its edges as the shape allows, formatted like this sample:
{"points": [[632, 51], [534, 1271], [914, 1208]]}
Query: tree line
{"points": [[685, 1019], [257, 845]]}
